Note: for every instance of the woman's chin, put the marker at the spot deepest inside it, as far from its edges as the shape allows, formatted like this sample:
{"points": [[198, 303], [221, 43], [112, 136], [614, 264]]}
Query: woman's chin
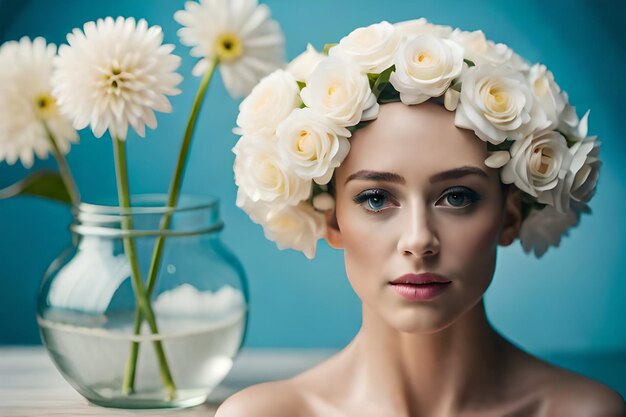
{"points": [[418, 320]]}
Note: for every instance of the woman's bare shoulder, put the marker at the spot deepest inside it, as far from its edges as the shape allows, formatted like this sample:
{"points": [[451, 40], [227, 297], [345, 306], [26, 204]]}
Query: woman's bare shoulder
{"points": [[268, 399], [563, 392], [574, 395]]}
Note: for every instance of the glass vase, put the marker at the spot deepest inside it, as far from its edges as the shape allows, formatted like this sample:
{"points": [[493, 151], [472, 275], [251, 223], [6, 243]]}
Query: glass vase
{"points": [[94, 326]]}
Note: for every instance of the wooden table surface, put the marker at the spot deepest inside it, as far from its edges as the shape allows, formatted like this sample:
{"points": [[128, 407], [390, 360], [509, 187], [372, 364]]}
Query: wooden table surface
{"points": [[31, 386]]}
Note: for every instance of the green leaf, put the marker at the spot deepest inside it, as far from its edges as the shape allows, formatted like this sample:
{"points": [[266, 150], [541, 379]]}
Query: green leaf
{"points": [[504, 146], [382, 80], [388, 94], [456, 85], [372, 77], [46, 184], [327, 47], [301, 85], [469, 63]]}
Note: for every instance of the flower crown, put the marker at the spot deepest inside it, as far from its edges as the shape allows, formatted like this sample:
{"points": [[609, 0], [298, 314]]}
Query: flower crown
{"points": [[295, 126]]}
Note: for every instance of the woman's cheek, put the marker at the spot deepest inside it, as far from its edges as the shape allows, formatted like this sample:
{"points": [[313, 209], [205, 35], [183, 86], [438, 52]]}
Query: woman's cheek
{"points": [[363, 252], [473, 235], [474, 243]]}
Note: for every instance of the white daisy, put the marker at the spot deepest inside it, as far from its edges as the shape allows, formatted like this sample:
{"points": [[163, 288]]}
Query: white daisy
{"points": [[115, 73], [239, 33], [26, 103]]}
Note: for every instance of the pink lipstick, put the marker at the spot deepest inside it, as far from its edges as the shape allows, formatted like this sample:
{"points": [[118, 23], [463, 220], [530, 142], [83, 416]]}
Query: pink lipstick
{"points": [[420, 287]]}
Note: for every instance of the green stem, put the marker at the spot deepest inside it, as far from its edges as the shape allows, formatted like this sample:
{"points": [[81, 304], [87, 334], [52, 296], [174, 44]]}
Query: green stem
{"points": [[172, 200], [143, 300], [64, 169]]}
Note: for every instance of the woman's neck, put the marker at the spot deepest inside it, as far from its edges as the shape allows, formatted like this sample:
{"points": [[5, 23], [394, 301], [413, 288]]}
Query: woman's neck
{"points": [[440, 373]]}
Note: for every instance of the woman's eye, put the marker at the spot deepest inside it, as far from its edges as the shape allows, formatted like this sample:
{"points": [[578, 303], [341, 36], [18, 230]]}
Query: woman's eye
{"points": [[372, 200], [459, 197]]}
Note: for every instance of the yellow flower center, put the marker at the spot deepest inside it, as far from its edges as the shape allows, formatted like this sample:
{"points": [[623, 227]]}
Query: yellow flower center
{"points": [[542, 160], [116, 79], [305, 144], [228, 47], [498, 99], [45, 106], [423, 57], [270, 175]]}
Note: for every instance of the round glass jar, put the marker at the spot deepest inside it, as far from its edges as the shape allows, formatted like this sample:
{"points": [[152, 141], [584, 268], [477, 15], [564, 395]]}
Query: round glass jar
{"points": [[96, 331]]}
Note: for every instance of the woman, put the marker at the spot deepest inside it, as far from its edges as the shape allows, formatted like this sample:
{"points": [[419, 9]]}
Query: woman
{"points": [[416, 199]]}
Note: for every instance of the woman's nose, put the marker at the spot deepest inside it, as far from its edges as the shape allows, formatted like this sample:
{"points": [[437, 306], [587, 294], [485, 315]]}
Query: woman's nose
{"points": [[418, 236]]}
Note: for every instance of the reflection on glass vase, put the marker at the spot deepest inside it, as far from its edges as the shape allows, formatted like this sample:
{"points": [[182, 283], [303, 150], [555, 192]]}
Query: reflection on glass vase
{"points": [[96, 331]]}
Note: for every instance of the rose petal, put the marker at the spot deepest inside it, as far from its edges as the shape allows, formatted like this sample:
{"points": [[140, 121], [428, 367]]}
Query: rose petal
{"points": [[498, 159]]}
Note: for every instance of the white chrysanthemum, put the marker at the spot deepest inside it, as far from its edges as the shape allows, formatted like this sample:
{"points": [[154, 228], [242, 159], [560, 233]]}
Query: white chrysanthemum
{"points": [[115, 73], [240, 33], [26, 102]]}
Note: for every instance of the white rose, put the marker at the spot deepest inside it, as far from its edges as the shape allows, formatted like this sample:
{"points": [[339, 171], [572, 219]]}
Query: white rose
{"points": [[339, 91], [258, 211], [271, 100], [497, 159], [482, 51], [573, 128], [536, 163], [548, 93], [586, 177], [544, 228], [371, 48], [302, 65], [410, 28], [261, 174], [296, 227], [311, 145], [577, 178], [518, 63], [425, 67], [496, 103]]}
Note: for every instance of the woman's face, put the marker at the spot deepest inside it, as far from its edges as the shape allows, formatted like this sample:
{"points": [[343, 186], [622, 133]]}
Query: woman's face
{"points": [[424, 215]]}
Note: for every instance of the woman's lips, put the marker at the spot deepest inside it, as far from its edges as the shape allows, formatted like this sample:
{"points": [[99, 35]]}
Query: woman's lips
{"points": [[420, 292], [423, 278]]}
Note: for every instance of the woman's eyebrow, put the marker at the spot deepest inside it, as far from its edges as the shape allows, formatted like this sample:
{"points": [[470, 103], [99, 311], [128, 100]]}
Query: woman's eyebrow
{"points": [[376, 176], [458, 173], [392, 177]]}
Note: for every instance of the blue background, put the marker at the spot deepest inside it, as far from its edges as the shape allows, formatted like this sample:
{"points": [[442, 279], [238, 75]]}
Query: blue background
{"points": [[567, 304]]}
